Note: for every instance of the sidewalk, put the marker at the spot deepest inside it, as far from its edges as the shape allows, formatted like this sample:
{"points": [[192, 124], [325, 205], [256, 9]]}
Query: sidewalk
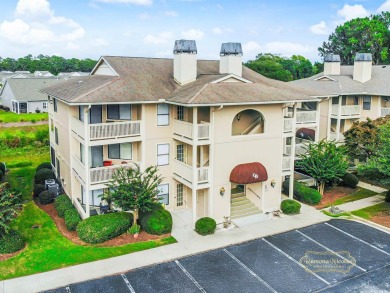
{"points": [[189, 243]]}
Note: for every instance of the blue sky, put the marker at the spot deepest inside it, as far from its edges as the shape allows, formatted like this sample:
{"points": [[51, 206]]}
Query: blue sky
{"points": [[91, 28]]}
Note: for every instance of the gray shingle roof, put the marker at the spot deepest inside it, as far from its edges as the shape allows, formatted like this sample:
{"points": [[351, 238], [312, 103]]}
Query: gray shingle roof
{"points": [[344, 84]]}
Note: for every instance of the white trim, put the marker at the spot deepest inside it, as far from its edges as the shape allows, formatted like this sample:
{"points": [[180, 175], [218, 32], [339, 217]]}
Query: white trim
{"points": [[240, 104], [231, 76], [324, 77], [99, 63]]}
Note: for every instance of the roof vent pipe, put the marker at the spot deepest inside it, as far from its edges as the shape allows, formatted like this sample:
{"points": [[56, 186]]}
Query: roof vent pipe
{"points": [[231, 59]]}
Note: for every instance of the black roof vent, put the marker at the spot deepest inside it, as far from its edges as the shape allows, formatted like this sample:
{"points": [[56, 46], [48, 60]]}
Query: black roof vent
{"points": [[332, 58], [363, 57], [185, 46], [231, 49]]}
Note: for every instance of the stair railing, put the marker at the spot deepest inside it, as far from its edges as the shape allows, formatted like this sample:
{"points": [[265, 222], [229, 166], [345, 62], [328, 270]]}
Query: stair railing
{"points": [[254, 193]]}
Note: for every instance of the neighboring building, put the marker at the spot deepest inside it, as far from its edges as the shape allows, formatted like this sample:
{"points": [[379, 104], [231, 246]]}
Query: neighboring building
{"points": [[72, 74], [349, 93], [23, 95], [43, 74], [221, 135]]}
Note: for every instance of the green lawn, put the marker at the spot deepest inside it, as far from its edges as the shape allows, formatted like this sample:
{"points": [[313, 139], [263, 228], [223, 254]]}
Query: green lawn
{"points": [[358, 194], [344, 214], [28, 131], [372, 211], [6, 117]]}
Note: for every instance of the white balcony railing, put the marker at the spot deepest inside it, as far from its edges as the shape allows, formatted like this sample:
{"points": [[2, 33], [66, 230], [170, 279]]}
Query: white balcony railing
{"points": [[114, 129], [333, 136], [286, 164], [77, 127], [300, 149], [104, 174], [79, 168], [287, 150], [306, 117], [287, 124], [185, 171], [203, 174], [184, 129], [353, 110], [385, 111]]}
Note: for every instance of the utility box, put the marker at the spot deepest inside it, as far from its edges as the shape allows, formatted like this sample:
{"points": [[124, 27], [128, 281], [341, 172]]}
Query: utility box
{"points": [[49, 182], [54, 189]]}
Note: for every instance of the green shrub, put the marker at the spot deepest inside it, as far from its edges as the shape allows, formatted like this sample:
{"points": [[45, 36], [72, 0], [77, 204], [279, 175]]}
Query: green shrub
{"points": [[11, 242], [33, 121], [101, 228], [2, 167], [387, 197], [289, 207], [46, 197], [62, 203], [43, 175], [153, 207], [302, 193], [157, 222], [12, 195], [45, 165], [1, 175], [72, 219], [38, 188], [205, 226], [350, 180], [42, 136]]}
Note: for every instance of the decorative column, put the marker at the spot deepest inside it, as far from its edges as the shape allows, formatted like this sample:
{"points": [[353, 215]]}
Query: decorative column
{"points": [[338, 126], [292, 158], [87, 158], [194, 161]]}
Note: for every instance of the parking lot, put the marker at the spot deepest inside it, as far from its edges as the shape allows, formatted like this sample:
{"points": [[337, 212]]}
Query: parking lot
{"points": [[357, 259]]}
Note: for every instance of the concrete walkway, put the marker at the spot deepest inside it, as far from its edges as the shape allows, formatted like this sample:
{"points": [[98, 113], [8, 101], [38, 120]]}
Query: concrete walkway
{"points": [[189, 243], [374, 188]]}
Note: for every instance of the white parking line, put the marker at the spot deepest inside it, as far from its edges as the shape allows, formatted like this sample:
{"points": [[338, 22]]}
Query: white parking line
{"points": [[190, 277], [128, 283], [250, 271], [298, 263], [330, 250], [67, 289], [354, 237]]}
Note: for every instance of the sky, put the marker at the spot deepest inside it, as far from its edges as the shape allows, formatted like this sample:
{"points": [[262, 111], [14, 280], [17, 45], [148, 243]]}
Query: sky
{"points": [[148, 28]]}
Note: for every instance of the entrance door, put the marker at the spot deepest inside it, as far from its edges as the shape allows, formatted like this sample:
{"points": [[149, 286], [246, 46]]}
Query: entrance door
{"points": [[22, 107], [180, 196], [97, 156]]}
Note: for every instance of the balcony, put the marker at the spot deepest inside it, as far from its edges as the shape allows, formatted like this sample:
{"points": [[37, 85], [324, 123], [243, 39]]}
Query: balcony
{"points": [[102, 175], [79, 168], [288, 124], [346, 111], [306, 116], [333, 136], [184, 171], [385, 111], [300, 149], [185, 130], [286, 164]]}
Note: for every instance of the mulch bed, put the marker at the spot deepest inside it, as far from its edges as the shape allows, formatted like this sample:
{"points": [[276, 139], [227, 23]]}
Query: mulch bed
{"points": [[332, 194], [382, 218], [9, 255], [72, 236]]}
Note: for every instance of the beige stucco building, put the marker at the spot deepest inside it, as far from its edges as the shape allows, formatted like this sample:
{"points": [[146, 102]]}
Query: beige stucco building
{"points": [[222, 136]]}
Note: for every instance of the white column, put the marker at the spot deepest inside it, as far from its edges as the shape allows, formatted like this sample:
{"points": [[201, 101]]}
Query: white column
{"points": [[329, 118], [318, 121], [87, 158], [211, 164], [338, 126], [70, 117], [143, 137], [194, 161], [294, 120]]}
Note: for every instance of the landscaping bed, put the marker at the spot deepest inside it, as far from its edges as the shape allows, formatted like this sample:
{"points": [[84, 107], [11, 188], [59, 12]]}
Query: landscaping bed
{"points": [[379, 213]]}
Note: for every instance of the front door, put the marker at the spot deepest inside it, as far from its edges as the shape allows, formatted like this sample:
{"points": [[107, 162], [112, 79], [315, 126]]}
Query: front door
{"points": [[180, 202]]}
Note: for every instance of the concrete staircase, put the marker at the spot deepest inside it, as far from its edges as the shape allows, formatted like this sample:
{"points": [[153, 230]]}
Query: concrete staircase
{"points": [[241, 206]]}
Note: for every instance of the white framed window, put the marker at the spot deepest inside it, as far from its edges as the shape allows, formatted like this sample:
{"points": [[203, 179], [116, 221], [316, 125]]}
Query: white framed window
{"points": [[180, 113], [121, 151], [44, 105], [366, 103], [163, 154], [56, 134], [163, 193], [94, 197], [119, 112], [82, 151], [180, 152], [162, 114]]}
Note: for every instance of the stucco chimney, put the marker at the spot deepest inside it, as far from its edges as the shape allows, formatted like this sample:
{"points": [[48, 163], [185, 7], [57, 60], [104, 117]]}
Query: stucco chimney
{"points": [[332, 64], [184, 61], [362, 67], [231, 59]]}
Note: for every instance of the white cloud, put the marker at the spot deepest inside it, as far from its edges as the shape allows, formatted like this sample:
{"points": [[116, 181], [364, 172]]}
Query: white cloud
{"points": [[287, 48], [349, 12], [217, 30], [136, 2], [320, 28], [100, 42], [144, 16], [251, 46], [192, 34], [171, 13], [384, 7], [161, 38]]}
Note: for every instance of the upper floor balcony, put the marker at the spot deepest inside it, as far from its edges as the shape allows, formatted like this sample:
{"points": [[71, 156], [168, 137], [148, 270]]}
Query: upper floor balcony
{"points": [[345, 111], [305, 116], [186, 130], [185, 173]]}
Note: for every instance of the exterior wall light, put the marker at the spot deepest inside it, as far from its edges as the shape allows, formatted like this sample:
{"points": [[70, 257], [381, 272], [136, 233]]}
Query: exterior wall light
{"points": [[273, 183], [238, 117], [222, 191]]}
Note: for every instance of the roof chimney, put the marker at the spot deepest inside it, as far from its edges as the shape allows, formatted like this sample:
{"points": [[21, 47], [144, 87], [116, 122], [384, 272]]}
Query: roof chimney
{"points": [[184, 61], [231, 59], [362, 67], [332, 64]]}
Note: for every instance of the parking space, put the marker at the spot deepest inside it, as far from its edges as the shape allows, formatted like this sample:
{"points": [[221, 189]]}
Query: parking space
{"points": [[270, 264]]}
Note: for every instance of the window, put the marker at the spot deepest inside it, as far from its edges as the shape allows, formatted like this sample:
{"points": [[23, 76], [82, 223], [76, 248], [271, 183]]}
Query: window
{"points": [[82, 153], [58, 169], [121, 151], [44, 105], [162, 154], [51, 125], [180, 152], [356, 100], [95, 114], [53, 156], [163, 193], [180, 113], [248, 122], [119, 112], [55, 105], [94, 197], [366, 103], [162, 114], [56, 134], [81, 113]]}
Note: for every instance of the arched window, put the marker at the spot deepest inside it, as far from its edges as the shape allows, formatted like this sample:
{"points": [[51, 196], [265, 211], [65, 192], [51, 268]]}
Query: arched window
{"points": [[248, 122]]}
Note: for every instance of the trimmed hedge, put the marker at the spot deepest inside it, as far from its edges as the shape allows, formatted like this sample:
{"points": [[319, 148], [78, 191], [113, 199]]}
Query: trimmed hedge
{"points": [[46, 197], [38, 188], [156, 222], [205, 226], [62, 204], [153, 207], [45, 165], [350, 180], [2, 167], [290, 207], [1, 175], [11, 242], [387, 196], [98, 229], [43, 175], [302, 193], [72, 219]]}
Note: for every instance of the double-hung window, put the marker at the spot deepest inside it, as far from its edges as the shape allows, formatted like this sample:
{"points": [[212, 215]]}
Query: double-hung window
{"points": [[180, 113], [55, 105], [162, 154], [121, 151], [162, 114], [366, 103], [119, 112], [56, 134], [163, 193], [44, 105], [180, 152]]}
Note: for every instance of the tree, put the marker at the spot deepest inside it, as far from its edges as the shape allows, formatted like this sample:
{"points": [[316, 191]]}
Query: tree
{"points": [[10, 203], [365, 35], [131, 189], [324, 161]]}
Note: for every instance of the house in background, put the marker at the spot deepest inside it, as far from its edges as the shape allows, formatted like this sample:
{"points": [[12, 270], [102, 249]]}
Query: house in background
{"points": [[349, 93], [23, 95], [72, 74], [221, 135], [42, 74]]}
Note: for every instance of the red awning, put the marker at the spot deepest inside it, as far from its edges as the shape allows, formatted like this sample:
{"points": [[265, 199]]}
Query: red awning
{"points": [[248, 173], [306, 133]]}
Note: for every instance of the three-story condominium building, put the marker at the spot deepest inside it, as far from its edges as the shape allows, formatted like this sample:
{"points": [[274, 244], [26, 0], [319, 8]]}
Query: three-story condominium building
{"points": [[222, 136], [349, 93]]}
